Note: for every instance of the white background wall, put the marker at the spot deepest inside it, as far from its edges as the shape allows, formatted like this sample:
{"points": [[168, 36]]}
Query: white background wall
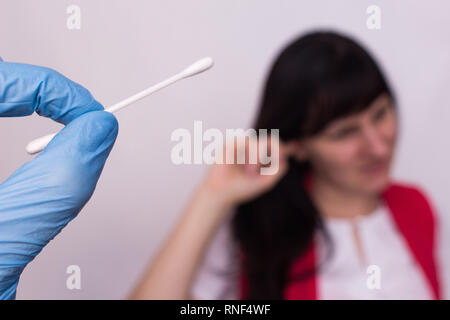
{"points": [[125, 46]]}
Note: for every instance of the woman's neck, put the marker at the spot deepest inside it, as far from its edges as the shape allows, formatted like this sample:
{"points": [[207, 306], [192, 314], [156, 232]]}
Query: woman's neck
{"points": [[335, 202]]}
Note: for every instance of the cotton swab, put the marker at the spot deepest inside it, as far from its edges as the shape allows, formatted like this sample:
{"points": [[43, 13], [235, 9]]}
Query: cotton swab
{"points": [[200, 66]]}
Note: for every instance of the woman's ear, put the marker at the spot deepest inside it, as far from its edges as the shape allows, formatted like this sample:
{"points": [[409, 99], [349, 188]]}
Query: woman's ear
{"points": [[296, 149]]}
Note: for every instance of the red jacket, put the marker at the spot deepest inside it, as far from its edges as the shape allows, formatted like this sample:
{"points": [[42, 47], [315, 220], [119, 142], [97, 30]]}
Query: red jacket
{"points": [[415, 220]]}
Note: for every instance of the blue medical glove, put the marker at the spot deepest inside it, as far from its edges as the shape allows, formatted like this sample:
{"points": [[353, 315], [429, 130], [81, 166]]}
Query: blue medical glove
{"points": [[45, 194]]}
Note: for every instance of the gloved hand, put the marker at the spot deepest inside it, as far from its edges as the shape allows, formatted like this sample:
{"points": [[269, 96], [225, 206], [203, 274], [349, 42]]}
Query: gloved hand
{"points": [[45, 194]]}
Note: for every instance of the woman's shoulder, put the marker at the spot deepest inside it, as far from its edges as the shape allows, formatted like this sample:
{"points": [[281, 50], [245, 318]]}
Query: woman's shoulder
{"points": [[406, 191], [410, 198]]}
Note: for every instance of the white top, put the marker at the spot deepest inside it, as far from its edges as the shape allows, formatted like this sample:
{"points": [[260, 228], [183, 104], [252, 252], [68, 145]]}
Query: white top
{"points": [[381, 267]]}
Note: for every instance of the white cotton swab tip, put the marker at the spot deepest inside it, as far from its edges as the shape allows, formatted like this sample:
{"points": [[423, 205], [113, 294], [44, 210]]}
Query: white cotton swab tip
{"points": [[200, 66], [37, 145]]}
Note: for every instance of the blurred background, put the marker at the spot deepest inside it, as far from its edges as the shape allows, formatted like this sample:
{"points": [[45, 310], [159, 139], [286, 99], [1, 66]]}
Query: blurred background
{"points": [[125, 46]]}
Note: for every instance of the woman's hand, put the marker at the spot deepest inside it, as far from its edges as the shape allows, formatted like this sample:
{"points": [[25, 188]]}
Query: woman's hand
{"points": [[231, 184]]}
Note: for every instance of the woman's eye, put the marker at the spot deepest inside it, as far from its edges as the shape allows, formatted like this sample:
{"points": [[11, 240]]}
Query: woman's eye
{"points": [[343, 133], [380, 114]]}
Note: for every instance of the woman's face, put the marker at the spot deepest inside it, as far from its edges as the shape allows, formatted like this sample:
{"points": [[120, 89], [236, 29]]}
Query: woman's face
{"points": [[355, 152]]}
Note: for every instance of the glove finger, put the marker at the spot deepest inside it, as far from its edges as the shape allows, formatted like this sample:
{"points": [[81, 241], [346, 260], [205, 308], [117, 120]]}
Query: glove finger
{"points": [[26, 88], [72, 161]]}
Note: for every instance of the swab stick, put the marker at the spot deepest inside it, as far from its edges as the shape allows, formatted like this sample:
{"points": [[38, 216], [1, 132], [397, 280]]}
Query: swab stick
{"points": [[200, 66]]}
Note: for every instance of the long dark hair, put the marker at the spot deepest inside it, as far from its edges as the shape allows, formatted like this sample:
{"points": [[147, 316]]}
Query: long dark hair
{"points": [[316, 79]]}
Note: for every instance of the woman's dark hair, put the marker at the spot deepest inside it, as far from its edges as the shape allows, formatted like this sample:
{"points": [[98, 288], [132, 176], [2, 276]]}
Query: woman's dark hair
{"points": [[316, 79]]}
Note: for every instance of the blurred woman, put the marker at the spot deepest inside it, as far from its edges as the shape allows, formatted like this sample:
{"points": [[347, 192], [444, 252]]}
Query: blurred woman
{"points": [[330, 224]]}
